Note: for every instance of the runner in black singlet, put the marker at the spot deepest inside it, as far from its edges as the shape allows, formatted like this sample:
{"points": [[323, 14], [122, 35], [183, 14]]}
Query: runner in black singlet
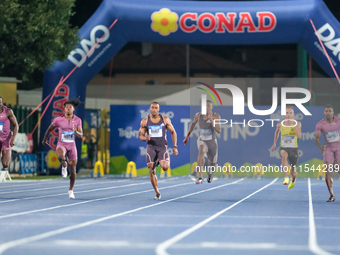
{"points": [[154, 126]]}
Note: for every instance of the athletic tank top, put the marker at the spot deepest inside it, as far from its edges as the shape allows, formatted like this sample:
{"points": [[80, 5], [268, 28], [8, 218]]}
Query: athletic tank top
{"points": [[5, 124], [157, 131], [288, 137], [207, 131]]}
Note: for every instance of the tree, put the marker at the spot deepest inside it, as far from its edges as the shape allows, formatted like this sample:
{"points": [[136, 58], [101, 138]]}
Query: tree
{"points": [[33, 35]]}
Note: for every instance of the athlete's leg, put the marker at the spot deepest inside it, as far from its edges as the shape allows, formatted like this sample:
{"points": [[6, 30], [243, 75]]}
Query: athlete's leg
{"points": [[211, 171], [164, 158], [328, 158], [153, 177], [73, 172], [200, 161], [328, 178], [61, 156], [6, 158], [285, 165], [293, 160]]}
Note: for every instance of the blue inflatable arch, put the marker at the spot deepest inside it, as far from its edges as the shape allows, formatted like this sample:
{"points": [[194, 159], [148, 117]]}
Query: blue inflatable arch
{"points": [[188, 22]]}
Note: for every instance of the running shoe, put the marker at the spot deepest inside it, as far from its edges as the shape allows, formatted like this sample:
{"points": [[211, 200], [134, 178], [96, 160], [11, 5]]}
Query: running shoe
{"points": [[199, 181], [158, 196], [64, 171], [210, 178], [331, 199], [71, 194], [286, 181], [291, 185]]}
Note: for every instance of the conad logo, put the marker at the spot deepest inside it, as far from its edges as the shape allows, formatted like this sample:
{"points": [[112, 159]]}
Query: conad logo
{"points": [[165, 22]]}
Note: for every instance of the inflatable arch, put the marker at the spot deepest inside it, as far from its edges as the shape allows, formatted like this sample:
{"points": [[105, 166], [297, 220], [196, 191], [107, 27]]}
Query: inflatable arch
{"points": [[187, 22]]}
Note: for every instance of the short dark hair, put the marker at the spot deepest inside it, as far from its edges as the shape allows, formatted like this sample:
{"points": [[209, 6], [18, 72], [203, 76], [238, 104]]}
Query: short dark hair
{"points": [[209, 101], [155, 103], [291, 107], [74, 101], [328, 106]]}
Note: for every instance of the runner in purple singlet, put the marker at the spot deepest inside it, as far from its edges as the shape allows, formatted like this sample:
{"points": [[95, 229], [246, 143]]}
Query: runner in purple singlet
{"points": [[69, 126], [6, 137], [330, 127], [154, 127]]}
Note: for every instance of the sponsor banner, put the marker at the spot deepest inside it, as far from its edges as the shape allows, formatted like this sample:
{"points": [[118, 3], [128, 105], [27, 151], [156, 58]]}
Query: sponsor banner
{"points": [[238, 143], [28, 163]]}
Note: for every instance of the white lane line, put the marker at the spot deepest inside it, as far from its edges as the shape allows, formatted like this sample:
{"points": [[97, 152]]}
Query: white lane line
{"points": [[187, 246], [312, 242], [57, 187], [77, 192], [162, 247], [85, 202], [14, 243]]}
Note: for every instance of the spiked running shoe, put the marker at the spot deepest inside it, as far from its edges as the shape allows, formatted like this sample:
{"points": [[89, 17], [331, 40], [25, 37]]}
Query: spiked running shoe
{"points": [[286, 181], [291, 185], [331, 199], [158, 196], [199, 181]]}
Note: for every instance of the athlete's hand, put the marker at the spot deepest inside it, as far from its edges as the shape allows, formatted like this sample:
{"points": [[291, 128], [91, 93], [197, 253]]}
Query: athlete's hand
{"points": [[175, 151], [75, 128], [148, 137], [323, 150], [273, 147], [185, 141], [45, 143], [12, 142]]}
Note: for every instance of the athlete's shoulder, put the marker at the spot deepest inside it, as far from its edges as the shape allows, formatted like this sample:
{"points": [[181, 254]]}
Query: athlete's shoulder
{"points": [[337, 119], [321, 122], [144, 121]]}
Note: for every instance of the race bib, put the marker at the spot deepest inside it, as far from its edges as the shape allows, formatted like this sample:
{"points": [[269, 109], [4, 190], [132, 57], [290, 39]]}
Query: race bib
{"points": [[1, 127], [67, 136], [332, 136], [205, 134], [288, 142], [155, 131]]}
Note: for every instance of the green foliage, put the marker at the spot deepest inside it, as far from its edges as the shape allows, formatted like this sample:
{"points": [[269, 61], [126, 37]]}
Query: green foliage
{"points": [[34, 34]]}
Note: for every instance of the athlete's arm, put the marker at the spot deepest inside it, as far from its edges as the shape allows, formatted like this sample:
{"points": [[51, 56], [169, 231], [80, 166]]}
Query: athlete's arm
{"points": [[191, 127], [47, 134], [276, 135], [217, 127], [14, 122], [78, 131], [298, 129], [317, 142], [173, 133], [142, 131]]}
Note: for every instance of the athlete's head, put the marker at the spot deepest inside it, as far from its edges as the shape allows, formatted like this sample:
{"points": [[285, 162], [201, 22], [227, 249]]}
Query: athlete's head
{"points": [[209, 106], [1, 102], [290, 112], [70, 105], [154, 108], [328, 111]]}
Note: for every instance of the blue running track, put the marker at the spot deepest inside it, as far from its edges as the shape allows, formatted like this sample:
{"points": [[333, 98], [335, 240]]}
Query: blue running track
{"points": [[120, 216]]}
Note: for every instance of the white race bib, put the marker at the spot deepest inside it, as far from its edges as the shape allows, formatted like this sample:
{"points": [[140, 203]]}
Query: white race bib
{"points": [[332, 136], [155, 131], [288, 142], [1, 127], [67, 136], [205, 134]]}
